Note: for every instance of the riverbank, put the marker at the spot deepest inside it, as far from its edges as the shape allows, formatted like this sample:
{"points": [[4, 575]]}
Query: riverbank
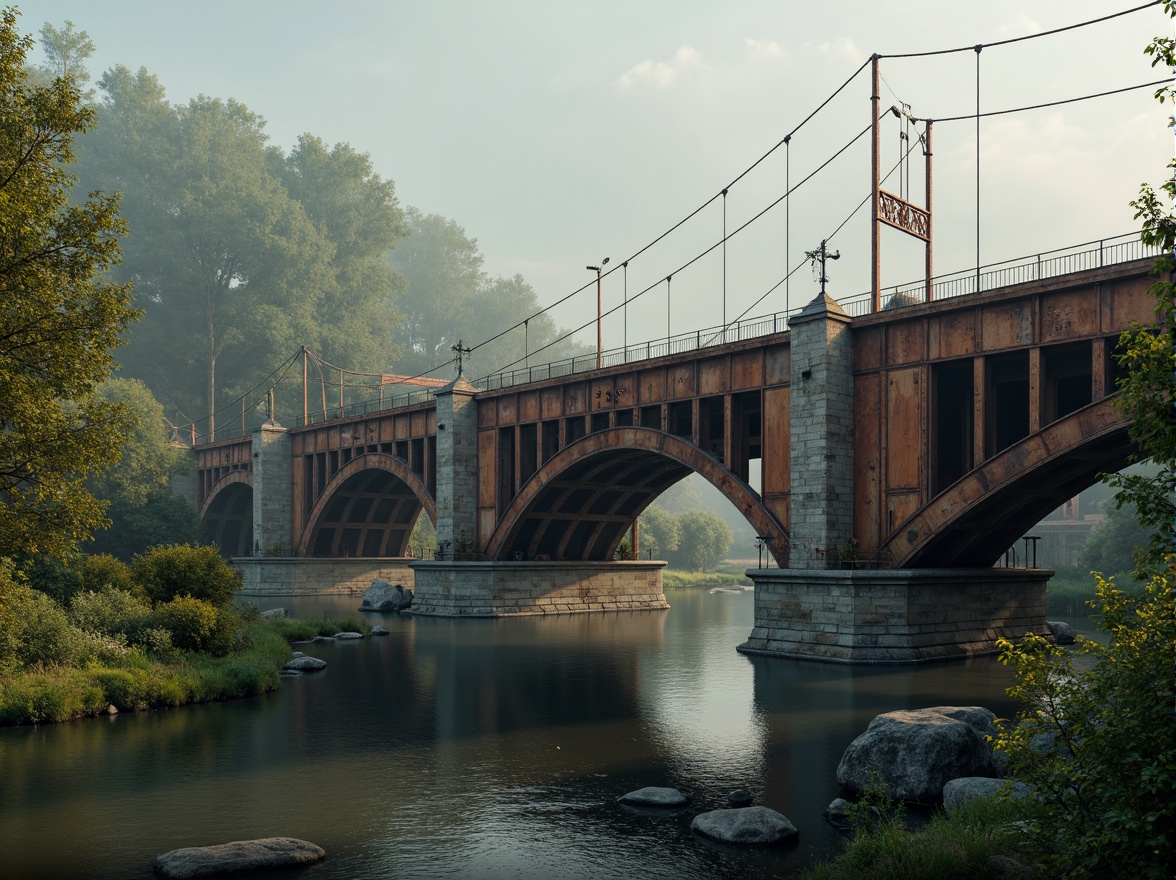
{"points": [[138, 680]]}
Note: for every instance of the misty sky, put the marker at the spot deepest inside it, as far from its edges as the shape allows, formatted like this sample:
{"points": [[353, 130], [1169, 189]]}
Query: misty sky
{"points": [[558, 134]]}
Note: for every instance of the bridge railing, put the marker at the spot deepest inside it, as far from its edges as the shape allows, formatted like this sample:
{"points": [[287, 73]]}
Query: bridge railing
{"points": [[1035, 267], [1047, 264]]}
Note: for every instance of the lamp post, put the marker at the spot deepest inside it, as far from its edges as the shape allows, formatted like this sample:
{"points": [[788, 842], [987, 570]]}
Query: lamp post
{"points": [[597, 269]]}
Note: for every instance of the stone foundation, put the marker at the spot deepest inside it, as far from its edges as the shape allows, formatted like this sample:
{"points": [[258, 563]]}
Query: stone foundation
{"points": [[508, 589], [903, 616], [309, 576]]}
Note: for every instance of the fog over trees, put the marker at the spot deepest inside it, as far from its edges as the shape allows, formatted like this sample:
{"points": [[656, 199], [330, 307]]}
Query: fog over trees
{"points": [[240, 252]]}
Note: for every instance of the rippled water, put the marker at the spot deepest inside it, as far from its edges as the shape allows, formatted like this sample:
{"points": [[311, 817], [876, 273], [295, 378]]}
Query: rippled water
{"points": [[481, 748]]}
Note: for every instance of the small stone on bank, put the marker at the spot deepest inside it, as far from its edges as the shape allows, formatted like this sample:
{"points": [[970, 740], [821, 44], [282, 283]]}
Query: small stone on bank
{"points": [[305, 664], [746, 825], [239, 855], [653, 796]]}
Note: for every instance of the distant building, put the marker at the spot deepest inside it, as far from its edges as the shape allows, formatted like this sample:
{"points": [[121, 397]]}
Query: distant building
{"points": [[1064, 531]]}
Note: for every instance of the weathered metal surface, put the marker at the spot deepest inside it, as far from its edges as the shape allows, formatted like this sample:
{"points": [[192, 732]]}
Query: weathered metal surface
{"points": [[903, 215]]}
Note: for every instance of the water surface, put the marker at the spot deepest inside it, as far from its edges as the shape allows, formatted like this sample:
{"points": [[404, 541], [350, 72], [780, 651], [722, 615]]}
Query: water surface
{"points": [[474, 749]]}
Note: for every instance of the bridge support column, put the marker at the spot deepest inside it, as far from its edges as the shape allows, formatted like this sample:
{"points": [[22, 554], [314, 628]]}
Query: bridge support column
{"points": [[457, 467], [273, 491], [893, 616], [821, 425]]}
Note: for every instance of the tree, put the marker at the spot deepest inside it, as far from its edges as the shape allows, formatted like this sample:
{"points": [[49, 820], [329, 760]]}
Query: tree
{"points": [[658, 532], [1114, 543], [357, 211], [705, 540], [142, 512], [66, 51], [241, 253], [59, 318]]}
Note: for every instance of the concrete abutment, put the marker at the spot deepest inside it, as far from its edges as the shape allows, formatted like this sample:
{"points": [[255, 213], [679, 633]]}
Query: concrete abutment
{"points": [[893, 616], [512, 589]]}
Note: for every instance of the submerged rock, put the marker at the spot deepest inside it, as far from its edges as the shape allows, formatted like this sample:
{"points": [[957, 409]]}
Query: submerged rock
{"points": [[379, 631], [305, 664], [383, 596], [915, 753], [653, 796], [745, 825], [239, 855], [348, 635]]}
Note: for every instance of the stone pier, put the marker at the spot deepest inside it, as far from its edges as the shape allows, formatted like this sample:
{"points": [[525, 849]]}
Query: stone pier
{"points": [[311, 576], [895, 616], [510, 589]]}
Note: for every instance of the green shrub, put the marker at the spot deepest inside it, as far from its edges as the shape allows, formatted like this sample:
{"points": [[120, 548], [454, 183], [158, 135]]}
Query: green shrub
{"points": [[51, 696], [1105, 785], [103, 572], [196, 625], [111, 612], [38, 630], [53, 575], [157, 641], [186, 570]]}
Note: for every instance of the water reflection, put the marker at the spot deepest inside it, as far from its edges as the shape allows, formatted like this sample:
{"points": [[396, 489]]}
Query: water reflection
{"points": [[471, 749]]}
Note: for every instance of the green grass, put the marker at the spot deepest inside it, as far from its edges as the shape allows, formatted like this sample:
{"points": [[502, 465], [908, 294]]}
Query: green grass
{"points": [[301, 629], [960, 846], [139, 681], [676, 579]]}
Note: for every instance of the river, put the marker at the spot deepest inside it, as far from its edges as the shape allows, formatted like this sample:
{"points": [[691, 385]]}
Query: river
{"points": [[474, 749]]}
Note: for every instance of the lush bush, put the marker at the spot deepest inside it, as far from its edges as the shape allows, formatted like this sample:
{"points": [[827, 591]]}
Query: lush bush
{"points": [[196, 625], [111, 612], [186, 570], [136, 528], [55, 576], [39, 632], [1099, 742], [101, 572]]}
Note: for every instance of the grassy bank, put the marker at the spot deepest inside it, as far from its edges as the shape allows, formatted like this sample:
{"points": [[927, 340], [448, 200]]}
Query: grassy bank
{"points": [[960, 846], [142, 680], [139, 681], [675, 579]]}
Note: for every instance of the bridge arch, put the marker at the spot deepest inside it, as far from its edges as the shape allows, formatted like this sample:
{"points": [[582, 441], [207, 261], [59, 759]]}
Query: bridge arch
{"points": [[977, 518], [226, 514], [580, 503], [368, 508]]}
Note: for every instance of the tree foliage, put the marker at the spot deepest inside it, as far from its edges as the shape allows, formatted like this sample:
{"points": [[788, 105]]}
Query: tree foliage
{"points": [[66, 50], [241, 253], [1099, 743], [60, 319], [705, 540]]}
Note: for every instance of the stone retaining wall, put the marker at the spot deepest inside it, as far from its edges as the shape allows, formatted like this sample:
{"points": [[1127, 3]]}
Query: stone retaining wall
{"points": [[507, 589], [904, 616], [306, 576]]}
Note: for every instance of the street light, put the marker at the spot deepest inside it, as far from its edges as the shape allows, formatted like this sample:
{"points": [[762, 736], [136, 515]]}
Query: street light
{"points": [[597, 269]]}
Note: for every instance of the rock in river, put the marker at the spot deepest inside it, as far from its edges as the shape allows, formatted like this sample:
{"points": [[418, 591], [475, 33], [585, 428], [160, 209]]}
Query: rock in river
{"points": [[305, 664], [746, 825], [916, 752], [240, 855], [348, 635], [652, 796], [383, 596]]}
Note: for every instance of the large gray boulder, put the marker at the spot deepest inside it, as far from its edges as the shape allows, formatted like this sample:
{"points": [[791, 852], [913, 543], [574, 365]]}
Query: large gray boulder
{"points": [[383, 596], [653, 796], [915, 753], [745, 825], [305, 664], [1063, 633], [961, 791], [240, 855]]}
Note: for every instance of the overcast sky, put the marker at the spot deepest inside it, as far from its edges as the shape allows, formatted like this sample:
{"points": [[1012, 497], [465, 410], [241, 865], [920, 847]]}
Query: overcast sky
{"points": [[559, 133]]}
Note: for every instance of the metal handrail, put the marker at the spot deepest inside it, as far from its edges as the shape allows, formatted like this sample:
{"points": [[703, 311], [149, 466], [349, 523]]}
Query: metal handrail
{"points": [[1020, 270]]}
